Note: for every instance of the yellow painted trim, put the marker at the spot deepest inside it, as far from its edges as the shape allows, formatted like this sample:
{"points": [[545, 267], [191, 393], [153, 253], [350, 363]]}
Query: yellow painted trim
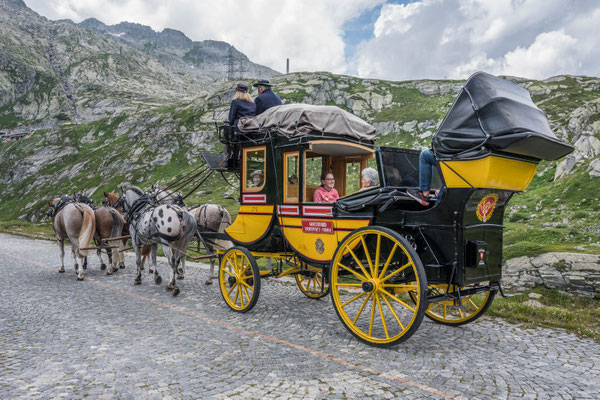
{"points": [[342, 143], [248, 228], [286, 175], [491, 172]]}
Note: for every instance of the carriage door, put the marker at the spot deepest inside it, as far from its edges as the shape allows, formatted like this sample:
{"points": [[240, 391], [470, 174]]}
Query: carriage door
{"points": [[254, 219]]}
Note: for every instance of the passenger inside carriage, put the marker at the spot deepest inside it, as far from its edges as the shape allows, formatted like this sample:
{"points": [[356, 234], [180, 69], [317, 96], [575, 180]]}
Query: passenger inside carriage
{"points": [[369, 178], [326, 193]]}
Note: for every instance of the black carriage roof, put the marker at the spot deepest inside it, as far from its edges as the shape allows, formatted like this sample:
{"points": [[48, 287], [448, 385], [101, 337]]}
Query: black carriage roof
{"points": [[492, 114], [308, 121]]}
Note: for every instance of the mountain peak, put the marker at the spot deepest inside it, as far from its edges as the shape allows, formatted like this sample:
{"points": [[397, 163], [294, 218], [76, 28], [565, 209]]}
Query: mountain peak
{"points": [[8, 4]]}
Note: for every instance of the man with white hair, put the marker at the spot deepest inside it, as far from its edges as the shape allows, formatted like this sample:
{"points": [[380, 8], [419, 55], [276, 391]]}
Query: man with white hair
{"points": [[266, 98]]}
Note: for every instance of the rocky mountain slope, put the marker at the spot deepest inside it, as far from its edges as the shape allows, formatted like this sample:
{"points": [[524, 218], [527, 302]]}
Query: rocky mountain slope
{"points": [[54, 72], [207, 60]]}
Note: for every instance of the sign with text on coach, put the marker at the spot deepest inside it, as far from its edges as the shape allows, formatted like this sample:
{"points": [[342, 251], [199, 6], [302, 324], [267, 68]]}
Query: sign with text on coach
{"points": [[317, 227]]}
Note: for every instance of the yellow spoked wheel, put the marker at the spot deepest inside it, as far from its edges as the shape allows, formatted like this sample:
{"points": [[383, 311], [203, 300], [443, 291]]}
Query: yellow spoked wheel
{"points": [[311, 284], [239, 279], [448, 312], [372, 274]]}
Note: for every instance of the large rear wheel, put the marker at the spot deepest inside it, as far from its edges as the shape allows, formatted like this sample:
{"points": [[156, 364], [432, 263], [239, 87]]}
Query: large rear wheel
{"points": [[239, 279], [372, 274]]}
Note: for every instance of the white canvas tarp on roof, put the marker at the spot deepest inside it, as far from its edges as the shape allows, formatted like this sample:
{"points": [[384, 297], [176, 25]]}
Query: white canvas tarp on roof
{"points": [[295, 120]]}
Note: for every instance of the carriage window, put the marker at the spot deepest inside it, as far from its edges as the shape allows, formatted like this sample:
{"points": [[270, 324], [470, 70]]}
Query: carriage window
{"points": [[254, 169], [313, 166], [291, 176], [352, 177]]}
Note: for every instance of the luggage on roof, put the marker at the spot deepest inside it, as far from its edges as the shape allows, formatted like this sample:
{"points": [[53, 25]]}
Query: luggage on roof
{"points": [[297, 120]]}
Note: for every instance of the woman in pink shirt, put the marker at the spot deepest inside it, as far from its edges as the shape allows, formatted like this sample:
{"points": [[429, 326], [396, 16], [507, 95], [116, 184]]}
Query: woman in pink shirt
{"points": [[326, 193]]}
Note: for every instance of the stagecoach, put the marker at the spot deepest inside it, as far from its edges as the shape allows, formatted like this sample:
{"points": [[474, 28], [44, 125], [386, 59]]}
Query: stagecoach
{"points": [[386, 260]]}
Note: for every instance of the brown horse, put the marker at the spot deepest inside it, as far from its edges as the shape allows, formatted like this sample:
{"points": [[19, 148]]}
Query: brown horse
{"points": [[76, 222], [109, 223]]}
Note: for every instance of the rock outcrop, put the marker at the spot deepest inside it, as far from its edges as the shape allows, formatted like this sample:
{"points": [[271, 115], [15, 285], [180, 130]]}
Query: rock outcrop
{"points": [[577, 273]]}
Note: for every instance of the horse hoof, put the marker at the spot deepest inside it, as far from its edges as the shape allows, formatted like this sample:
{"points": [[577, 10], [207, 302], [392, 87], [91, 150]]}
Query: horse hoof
{"points": [[80, 278], [208, 282], [122, 266], [142, 268], [158, 280], [109, 272], [137, 282], [168, 287], [180, 276], [150, 270], [102, 266], [62, 270], [175, 291]]}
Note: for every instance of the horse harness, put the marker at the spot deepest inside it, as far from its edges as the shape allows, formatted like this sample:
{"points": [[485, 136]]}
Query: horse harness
{"points": [[137, 209]]}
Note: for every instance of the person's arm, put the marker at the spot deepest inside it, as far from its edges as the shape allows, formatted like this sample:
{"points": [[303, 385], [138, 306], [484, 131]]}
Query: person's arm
{"points": [[232, 113], [259, 105]]}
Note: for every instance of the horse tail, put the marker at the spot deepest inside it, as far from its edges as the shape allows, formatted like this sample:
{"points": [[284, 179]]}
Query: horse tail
{"points": [[88, 227]]}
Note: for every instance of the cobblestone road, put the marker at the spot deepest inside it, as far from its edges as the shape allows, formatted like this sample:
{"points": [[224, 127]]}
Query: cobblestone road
{"points": [[106, 338]]}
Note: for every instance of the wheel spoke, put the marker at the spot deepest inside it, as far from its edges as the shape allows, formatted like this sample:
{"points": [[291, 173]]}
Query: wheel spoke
{"points": [[393, 312], [397, 300], [388, 261], [372, 315], [367, 255], [387, 335], [245, 291], [474, 305], [354, 298], [359, 263], [362, 278], [375, 271], [230, 289], [402, 268], [237, 293], [461, 313], [226, 271], [398, 288], [360, 310]]}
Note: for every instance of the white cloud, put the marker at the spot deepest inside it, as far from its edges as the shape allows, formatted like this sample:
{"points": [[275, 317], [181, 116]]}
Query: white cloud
{"points": [[454, 38], [308, 32]]}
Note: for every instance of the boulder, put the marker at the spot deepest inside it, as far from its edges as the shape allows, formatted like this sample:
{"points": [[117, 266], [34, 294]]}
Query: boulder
{"points": [[573, 272]]}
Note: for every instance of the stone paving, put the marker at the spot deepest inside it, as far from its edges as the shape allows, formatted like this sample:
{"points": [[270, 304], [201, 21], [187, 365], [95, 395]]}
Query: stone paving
{"points": [[105, 338]]}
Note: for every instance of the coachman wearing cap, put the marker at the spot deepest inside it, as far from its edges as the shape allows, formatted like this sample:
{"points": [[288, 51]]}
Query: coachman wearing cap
{"points": [[267, 98], [242, 105]]}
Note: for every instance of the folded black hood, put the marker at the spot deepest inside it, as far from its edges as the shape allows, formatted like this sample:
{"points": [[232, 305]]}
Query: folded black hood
{"points": [[491, 114]]}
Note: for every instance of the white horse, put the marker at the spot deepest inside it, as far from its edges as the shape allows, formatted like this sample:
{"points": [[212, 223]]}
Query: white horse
{"points": [[212, 218], [151, 224], [76, 222]]}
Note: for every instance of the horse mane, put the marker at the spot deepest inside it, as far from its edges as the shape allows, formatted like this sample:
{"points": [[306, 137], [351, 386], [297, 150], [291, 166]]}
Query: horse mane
{"points": [[137, 190]]}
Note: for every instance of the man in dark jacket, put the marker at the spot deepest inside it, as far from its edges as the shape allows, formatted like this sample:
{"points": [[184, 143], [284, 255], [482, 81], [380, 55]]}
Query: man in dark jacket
{"points": [[267, 98]]}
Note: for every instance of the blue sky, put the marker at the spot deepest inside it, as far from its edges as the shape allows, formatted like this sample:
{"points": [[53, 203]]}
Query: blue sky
{"points": [[394, 40]]}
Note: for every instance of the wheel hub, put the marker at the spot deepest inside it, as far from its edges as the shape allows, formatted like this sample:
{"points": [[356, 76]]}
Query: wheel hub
{"points": [[368, 287], [231, 280]]}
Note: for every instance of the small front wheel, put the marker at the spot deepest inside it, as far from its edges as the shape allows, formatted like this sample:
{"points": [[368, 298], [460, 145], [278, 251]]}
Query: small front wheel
{"points": [[311, 284], [239, 279], [372, 275]]}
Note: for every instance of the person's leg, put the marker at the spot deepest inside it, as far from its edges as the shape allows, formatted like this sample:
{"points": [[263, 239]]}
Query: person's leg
{"points": [[426, 164]]}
